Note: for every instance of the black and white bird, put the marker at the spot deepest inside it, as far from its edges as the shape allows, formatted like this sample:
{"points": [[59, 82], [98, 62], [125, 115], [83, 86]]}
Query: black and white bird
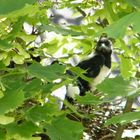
{"points": [[97, 68]]}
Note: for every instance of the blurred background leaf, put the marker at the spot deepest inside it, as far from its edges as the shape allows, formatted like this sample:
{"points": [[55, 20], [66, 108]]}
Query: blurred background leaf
{"points": [[10, 5]]}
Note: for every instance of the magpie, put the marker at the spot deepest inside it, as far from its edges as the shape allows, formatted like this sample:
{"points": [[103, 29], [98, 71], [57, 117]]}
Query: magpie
{"points": [[97, 68]]}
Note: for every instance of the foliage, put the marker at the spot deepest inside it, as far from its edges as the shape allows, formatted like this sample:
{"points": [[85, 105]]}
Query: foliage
{"points": [[25, 83], [124, 119]]}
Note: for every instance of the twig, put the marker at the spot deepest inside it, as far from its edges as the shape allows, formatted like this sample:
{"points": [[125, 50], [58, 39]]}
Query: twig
{"points": [[106, 137], [29, 43], [81, 11]]}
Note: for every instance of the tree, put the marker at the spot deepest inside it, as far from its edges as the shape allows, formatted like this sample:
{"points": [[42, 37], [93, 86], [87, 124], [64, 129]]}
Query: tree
{"points": [[25, 83]]}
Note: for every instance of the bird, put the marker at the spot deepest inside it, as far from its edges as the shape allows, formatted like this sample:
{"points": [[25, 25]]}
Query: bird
{"points": [[96, 68]]}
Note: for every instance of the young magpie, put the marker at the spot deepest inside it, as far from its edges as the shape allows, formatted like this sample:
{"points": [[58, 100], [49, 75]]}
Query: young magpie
{"points": [[96, 67]]}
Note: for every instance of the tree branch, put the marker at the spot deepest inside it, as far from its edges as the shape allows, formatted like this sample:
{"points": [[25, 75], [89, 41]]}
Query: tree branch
{"points": [[81, 11], [106, 137]]}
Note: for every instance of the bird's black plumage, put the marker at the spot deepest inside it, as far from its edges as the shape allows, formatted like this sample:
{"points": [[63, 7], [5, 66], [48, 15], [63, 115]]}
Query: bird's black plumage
{"points": [[96, 68], [95, 65]]}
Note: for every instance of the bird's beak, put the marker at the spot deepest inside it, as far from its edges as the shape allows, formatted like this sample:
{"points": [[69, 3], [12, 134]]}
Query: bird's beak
{"points": [[103, 46]]}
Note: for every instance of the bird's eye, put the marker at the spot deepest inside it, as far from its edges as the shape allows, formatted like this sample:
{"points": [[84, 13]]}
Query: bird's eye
{"points": [[100, 44], [107, 43]]}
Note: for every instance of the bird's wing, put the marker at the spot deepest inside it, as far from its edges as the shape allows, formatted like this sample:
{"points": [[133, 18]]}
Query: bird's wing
{"points": [[92, 65]]}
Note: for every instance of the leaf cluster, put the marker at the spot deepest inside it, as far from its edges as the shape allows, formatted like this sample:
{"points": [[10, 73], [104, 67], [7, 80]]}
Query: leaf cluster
{"points": [[26, 84]]}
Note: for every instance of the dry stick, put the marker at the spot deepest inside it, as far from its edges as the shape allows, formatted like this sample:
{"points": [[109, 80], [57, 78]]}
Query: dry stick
{"points": [[106, 137], [81, 11], [121, 128]]}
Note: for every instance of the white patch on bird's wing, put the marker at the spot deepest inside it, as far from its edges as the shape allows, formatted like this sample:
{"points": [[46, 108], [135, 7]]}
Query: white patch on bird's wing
{"points": [[104, 72], [60, 93]]}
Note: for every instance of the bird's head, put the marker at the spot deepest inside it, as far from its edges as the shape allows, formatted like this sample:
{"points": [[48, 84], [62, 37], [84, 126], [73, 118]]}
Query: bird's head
{"points": [[104, 46]]}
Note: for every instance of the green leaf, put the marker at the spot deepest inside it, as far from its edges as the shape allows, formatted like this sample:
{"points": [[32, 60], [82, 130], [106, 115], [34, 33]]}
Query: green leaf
{"points": [[33, 87], [135, 3], [114, 29], [26, 129], [2, 134], [73, 109], [8, 6], [49, 73], [10, 101], [43, 113], [13, 82], [1, 92], [17, 137], [3, 55], [29, 10], [4, 45], [47, 88], [2, 65], [60, 30], [18, 59], [88, 99], [135, 22], [16, 27], [61, 129], [7, 60], [51, 47], [124, 118], [127, 67], [26, 37], [5, 119], [13, 86], [114, 87], [80, 73], [36, 86]]}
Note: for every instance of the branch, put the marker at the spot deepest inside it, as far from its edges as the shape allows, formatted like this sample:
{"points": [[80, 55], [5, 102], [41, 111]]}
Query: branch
{"points": [[106, 137], [29, 43], [81, 11]]}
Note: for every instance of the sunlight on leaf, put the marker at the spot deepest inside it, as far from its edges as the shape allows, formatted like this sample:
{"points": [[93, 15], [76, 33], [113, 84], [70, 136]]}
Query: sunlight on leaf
{"points": [[5, 119], [127, 68]]}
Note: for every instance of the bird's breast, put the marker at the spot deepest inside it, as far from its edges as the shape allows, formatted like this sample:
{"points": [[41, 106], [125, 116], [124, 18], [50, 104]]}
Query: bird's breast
{"points": [[104, 72]]}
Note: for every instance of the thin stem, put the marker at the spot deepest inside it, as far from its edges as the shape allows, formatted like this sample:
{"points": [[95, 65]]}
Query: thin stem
{"points": [[81, 11], [73, 109]]}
